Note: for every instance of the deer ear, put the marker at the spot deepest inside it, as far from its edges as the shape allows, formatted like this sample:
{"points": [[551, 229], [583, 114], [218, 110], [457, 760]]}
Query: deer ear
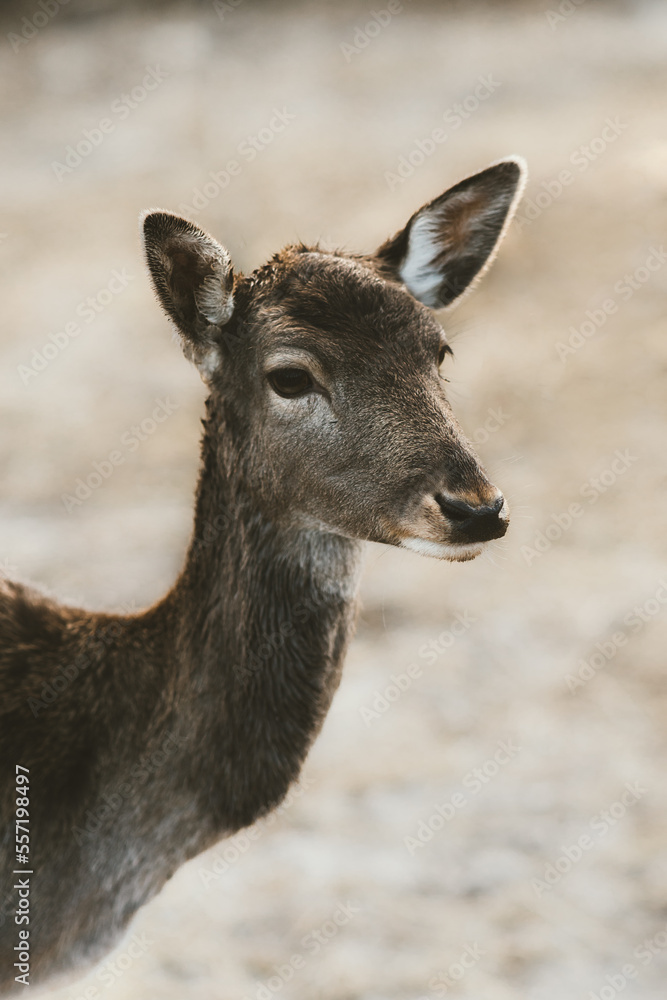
{"points": [[450, 241], [193, 278]]}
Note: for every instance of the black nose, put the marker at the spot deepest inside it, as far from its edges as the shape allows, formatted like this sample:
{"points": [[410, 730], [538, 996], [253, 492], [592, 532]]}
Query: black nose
{"points": [[473, 524]]}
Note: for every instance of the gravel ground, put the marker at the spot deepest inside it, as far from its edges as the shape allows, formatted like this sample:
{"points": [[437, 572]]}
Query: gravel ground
{"points": [[541, 872]]}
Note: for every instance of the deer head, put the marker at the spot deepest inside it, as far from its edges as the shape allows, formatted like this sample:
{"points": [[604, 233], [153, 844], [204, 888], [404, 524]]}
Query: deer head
{"points": [[325, 370]]}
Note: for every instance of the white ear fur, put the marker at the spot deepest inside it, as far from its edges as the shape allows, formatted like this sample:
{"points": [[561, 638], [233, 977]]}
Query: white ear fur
{"points": [[449, 243], [419, 272], [212, 299]]}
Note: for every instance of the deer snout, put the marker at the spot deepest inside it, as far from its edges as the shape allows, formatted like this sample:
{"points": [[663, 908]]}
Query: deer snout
{"points": [[474, 522]]}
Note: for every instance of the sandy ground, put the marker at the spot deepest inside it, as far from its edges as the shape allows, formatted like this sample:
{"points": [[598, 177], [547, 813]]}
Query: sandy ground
{"points": [[371, 915]]}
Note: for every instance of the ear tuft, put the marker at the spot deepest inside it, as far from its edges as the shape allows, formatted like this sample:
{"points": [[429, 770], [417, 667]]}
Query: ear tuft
{"points": [[193, 278], [449, 242], [214, 298]]}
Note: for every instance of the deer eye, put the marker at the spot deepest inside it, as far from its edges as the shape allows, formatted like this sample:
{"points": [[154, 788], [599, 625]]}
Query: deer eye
{"points": [[444, 350], [290, 382]]}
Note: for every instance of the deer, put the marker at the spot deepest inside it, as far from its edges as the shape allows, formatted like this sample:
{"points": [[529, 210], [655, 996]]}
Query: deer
{"points": [[134, 742]]}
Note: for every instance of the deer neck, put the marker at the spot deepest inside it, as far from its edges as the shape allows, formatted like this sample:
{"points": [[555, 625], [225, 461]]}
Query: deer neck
{"points": [[263, 612]]}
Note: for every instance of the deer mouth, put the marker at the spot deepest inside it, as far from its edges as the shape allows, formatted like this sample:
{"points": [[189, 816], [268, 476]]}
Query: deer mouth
{"points": [[451, 551], [446, 527]]}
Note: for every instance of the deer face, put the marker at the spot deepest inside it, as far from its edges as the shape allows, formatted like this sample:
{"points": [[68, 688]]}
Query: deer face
{"points": [[331, 366]]}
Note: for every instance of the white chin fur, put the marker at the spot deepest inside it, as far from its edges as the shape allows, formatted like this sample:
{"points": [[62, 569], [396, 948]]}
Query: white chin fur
{"points": [[441, 550]]}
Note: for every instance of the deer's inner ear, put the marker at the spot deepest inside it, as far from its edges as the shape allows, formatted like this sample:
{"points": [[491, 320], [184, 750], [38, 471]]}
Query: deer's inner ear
{"points": [[449, 242], [193, 278]]}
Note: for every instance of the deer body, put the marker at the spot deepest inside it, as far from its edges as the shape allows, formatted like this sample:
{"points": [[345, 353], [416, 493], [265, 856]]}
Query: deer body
{"points": [[172, 738], [149, 737]]}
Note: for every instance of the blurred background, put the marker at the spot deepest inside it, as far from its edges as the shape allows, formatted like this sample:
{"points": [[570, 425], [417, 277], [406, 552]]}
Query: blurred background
{"points": [[421, 859]]}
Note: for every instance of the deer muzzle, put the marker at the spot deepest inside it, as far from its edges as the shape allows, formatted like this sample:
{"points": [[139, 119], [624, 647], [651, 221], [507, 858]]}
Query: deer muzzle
{"points": [[470, 523]]}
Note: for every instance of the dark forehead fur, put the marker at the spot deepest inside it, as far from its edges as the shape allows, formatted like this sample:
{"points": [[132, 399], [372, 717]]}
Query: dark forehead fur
{"points": [[343, 297]]}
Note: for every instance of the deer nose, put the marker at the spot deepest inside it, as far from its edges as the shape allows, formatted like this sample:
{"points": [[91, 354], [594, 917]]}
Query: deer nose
{"points": [[474, 523]]}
